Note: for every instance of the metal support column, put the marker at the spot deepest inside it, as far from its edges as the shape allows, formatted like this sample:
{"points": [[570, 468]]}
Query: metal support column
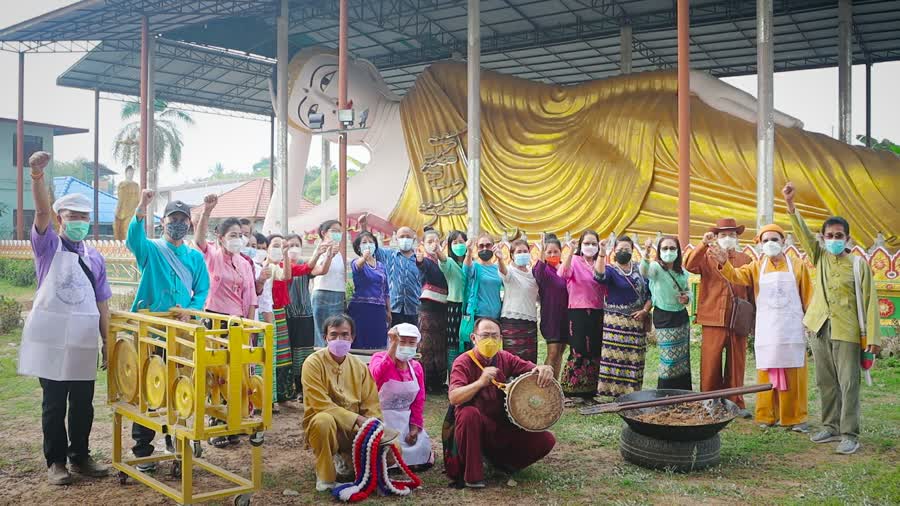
{"points": [[626, 41], [281, 156], [845, 65], [271, 155], [342, 104], [152, 168], [20, 154], [325, 173], [869, 104], [684, 124], [473, 141], [145, 37], [96, 164], [765, 120]]}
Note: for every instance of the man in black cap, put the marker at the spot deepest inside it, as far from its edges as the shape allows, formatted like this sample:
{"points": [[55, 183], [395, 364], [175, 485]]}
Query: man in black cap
{"points": [[172, 275]]}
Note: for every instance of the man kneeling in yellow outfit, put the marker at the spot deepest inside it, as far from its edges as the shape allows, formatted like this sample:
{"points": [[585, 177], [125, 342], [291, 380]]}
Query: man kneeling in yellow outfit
{"points": [[339, 395]]}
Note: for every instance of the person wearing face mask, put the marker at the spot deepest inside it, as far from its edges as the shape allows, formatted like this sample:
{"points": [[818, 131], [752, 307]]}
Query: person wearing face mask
{"points": [[370, 306], [404, 278], [844, 317], [329, 290], [301, 328], [60, 337], [518, 315], [480, 428], [401, 389], [670, 294], [433, 313], [232, 280], [580, 373], [783, 291], [554, 301], [483, 281], [714, 311], [625, 318], [450, 260], [339, 395]]}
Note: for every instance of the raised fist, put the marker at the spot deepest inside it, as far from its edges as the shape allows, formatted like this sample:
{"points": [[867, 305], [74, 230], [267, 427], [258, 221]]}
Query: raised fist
{"points": [[709, 238], [147, 197], [38, 161], [210, 201]]}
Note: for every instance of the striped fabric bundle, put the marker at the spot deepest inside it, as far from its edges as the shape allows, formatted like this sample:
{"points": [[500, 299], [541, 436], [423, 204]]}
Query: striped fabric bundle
{"points": [[370, 465]]}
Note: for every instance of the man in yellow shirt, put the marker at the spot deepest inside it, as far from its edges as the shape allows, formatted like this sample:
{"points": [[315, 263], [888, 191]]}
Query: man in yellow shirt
{"points": [[339, 395], [844, 317], [783, 290]]}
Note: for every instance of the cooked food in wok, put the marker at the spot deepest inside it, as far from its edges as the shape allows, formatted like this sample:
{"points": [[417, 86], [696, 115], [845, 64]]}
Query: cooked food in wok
{"points": [[684, 414]]}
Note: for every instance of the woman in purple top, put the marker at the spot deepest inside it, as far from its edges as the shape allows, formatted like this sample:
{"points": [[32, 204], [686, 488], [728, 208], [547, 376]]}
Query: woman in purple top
{"points": [[370, 306], [580, 374], [554, 299]]}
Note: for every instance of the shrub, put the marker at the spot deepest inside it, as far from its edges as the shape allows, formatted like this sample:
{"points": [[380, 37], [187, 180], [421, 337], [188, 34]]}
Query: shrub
{"points": [[18, 272], [10, 314]]}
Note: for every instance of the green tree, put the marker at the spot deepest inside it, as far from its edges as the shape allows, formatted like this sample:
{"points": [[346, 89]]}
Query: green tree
{"points": [[884, 145], [167, 136]]}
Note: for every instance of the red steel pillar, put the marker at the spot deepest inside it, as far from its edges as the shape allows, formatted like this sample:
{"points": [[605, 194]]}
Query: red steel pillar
{"points": [[684, 124]]}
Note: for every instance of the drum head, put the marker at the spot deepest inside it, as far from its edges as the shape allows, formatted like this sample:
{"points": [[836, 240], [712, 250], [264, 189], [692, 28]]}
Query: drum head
{"points": [[531, 407]]}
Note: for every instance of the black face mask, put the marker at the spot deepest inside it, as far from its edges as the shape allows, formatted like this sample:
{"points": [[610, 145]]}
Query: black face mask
{"points": [[485, 255], [623, 257]]}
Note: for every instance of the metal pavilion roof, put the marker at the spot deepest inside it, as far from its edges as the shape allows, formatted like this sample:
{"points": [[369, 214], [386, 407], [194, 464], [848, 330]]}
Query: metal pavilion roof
{"points": [[554, 41]]}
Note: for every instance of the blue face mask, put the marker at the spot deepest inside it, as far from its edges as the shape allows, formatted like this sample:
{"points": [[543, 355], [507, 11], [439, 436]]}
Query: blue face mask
{"points": [[405, 243], [522, 259], [367, 246], [335, 237], [835, 246]]}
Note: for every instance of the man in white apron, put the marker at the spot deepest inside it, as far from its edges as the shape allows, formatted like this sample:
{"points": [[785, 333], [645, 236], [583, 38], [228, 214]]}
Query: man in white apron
{"points": [[62, 334], [401, 390], [172, 274], [783, 290]]}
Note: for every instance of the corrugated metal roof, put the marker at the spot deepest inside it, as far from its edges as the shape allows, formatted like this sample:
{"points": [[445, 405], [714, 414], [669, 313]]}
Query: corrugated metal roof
{"points": [[553, 41]]}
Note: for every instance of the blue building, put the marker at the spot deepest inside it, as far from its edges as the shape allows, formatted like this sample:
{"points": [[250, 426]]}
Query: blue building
{"points": [[38, 137]]}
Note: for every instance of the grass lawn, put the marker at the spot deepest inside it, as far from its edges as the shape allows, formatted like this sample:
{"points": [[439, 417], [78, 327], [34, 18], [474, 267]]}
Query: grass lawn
{"points": [[20, 293], [771, 466]]}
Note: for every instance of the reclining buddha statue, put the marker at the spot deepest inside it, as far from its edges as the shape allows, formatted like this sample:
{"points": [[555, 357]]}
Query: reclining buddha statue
{"points": [[600, 155]]}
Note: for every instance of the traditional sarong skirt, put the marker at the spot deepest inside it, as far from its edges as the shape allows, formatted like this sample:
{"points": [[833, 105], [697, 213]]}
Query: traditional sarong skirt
{"points": [[520, 338], [622, 358]]}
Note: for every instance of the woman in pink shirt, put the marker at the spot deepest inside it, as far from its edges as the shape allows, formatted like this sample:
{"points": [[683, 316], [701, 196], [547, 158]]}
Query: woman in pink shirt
{"points": [[401, 390], [232, 282], [580, 375]]}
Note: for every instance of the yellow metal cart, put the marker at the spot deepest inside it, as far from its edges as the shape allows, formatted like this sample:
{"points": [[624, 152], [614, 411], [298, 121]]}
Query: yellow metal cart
{"points": [[192, 381]]}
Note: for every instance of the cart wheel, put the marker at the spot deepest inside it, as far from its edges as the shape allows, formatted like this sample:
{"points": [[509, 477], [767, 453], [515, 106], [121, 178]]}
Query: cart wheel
{"points": [[176, 469], [123, 478], [198, 449], [242, 500]]}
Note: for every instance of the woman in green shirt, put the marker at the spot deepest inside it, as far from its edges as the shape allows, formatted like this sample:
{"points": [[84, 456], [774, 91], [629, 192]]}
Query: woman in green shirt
{"points": [[451, 264], [670, 294]]}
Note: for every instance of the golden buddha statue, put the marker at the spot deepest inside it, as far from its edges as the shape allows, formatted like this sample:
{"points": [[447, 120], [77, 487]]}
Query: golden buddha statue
{"points": [[601, 154], [128, 193]]}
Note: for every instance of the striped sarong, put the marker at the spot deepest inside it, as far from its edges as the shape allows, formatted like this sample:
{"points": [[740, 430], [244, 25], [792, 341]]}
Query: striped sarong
{"points": [[284, 381], [520, 338], [622, 356]]}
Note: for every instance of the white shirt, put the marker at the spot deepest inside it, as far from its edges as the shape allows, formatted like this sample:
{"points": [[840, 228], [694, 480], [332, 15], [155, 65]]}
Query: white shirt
{"points": [[520, 295], [333, 280], [264, 300]]}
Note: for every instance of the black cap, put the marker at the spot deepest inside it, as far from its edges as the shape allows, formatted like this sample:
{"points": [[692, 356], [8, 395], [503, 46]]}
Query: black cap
{"points": [[177, 206]]}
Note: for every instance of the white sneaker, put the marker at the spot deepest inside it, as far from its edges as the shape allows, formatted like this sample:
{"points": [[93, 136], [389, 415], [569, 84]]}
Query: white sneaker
{"points": [[324, 486]]}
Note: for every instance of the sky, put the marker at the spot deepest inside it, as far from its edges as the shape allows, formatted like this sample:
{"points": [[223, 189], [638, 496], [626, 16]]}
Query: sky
{"points": [[238, 143]]}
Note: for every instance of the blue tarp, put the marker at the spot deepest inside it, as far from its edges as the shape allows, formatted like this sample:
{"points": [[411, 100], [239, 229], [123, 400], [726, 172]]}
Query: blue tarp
{"points": [[64, 185]]}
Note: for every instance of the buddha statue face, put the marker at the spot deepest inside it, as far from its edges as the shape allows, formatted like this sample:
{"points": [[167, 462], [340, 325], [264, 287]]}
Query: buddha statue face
{"points": [[313, 87]]}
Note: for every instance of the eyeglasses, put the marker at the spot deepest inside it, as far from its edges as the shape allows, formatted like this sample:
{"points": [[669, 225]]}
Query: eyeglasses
{"points": [[668, 248], [485, 246], [489, 336]]}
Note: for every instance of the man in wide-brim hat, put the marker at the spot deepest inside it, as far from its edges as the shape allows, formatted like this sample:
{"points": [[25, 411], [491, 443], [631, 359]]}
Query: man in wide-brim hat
{"points": [[714, 307]]}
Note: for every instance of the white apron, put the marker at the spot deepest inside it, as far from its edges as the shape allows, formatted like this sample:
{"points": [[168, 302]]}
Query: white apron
{"points": [[396, 398], [60, 340], [780, 338]]}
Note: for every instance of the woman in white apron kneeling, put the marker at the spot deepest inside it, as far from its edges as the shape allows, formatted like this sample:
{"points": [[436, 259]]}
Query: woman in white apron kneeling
{"points": [[401, 390]]}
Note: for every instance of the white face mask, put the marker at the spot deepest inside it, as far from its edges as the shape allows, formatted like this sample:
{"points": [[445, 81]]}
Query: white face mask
{"points": [[276, 255], [261, 256], [234, 245], [589, 250], [772, 248], [244, 240], [727, 243], [294, 253], [406, 243], [406, 353]]}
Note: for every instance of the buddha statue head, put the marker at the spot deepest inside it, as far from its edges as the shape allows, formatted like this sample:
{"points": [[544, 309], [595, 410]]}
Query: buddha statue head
{"points": [[313, 88]]}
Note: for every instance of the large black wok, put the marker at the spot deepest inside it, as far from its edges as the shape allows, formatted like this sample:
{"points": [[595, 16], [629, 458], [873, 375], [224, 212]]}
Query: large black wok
{"points": [[672, 432]]}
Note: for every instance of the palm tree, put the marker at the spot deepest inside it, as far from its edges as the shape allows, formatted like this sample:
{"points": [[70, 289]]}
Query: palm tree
{"points": [[166, 135]]}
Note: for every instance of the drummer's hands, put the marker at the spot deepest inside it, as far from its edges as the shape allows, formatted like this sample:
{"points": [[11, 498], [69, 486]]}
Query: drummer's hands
{"points": [[545, 375], [413, 435], [488, 374]]}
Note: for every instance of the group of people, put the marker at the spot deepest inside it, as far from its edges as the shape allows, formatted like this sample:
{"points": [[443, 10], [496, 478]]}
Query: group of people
{"points": [[469, 313]]}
